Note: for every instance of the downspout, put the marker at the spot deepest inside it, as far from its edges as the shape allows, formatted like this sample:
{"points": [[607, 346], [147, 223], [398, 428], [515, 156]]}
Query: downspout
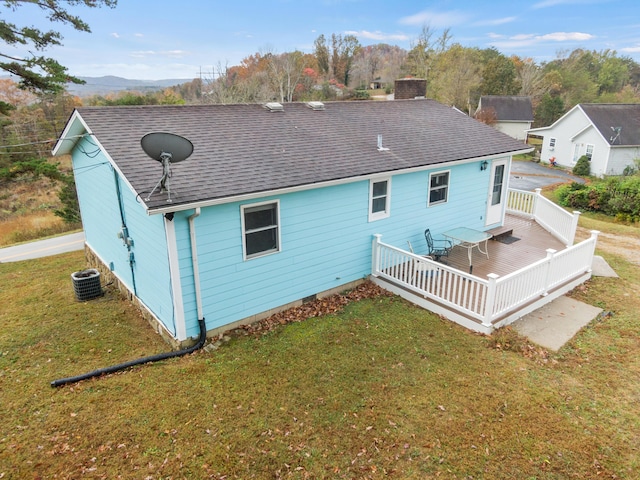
{"points": [[139, 361], [161, 356], [194, 262]]}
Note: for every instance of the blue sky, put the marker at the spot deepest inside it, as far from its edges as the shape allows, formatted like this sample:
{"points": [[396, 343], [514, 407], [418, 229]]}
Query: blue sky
{"points": [[159, 39]]}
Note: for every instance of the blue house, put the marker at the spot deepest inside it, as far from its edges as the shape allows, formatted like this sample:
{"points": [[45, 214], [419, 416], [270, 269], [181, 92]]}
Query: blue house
{"points": [[277, 203]]}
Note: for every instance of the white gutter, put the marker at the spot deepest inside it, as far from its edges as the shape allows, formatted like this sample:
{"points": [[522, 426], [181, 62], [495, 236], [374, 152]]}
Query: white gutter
{"points": [[194, 261]]}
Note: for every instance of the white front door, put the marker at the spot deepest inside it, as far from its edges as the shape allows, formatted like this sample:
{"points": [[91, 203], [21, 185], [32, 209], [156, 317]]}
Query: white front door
{"points": [[497, 192]]}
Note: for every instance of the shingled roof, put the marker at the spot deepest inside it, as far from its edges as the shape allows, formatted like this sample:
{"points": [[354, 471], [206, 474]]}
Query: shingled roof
{"points": [[246, 149], [508, 107], [609, 117]]}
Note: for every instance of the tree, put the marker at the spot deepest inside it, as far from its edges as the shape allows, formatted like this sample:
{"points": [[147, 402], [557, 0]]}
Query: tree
{"points": [[455, 77], [499, 76], [549, 110], [285, 73], [336, 60], [381, 62], [36, 72], [424, 53]]}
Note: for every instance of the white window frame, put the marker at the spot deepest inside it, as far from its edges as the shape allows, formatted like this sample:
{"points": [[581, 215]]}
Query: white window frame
{"points": [[277, 226], [589, 150], [373, 216], [446, 188]]}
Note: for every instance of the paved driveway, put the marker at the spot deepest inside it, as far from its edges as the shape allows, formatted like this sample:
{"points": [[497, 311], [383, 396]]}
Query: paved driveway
{"points": [[43, 248], [526, 175]]}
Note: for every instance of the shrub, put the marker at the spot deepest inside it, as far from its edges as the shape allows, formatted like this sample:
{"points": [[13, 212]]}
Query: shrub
{"points": [[361, 95], [70, 211], [616, 196], [582, 167]]}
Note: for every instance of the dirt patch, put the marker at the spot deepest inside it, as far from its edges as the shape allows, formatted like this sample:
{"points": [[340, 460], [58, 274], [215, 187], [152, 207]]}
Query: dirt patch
{"points": [[625, 246]]}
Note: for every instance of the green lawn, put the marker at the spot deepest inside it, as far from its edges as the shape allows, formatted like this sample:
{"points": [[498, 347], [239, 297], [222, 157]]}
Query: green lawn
{"points": [[381, 389]]}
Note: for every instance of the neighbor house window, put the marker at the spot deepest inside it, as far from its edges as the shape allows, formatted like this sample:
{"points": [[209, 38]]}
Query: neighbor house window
{"points": [[379, 198], [438, 188], [589, 151], [260, 229], [552, 143]]}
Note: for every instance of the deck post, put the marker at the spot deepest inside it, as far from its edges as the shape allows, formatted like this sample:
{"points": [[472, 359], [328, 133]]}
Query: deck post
{"points": [[375, 254], [574, 227], [490, 299], [536, 202], [550, 254], [594, 237]]}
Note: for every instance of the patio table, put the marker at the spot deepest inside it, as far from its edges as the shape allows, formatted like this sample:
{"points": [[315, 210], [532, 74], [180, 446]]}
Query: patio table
{"points": [[469, 238]]}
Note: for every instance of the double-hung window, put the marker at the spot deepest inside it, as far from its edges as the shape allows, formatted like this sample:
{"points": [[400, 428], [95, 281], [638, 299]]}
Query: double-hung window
{"points": [[379, 198], [589, 151], [552, 143], [260, 229], [438, 188]]}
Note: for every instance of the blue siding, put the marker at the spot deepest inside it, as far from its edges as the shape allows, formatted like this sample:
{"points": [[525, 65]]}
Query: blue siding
{"points": [[98, 196], [325, 241]]}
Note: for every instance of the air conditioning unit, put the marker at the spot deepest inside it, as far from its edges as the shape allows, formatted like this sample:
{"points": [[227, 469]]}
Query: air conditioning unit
{"points": [[86, 284]]}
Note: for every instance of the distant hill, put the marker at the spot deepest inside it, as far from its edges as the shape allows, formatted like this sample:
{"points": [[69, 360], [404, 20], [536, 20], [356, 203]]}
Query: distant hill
{"points": [[111, 84]]}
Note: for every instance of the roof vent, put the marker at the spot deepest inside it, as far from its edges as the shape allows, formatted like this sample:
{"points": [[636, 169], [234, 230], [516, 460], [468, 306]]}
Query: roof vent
{"points": [[380, 147], [315, 105], [274, 107]]}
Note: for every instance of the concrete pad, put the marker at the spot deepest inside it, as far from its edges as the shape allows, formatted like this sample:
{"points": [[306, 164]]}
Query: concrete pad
{"points": [[600, 268], [556, 323]]}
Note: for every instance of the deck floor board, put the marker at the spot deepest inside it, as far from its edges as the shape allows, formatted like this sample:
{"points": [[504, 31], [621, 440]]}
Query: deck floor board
{"points": [[505, 258]]}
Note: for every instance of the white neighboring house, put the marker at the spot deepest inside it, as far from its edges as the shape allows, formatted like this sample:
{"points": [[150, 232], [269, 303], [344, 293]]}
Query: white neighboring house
{"points": [[513, 114], [609, 134]]}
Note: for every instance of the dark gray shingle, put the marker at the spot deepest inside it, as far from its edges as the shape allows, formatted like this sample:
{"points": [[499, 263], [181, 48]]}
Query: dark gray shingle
{"points": [[509, 107], [608, 117], [245, 149]]}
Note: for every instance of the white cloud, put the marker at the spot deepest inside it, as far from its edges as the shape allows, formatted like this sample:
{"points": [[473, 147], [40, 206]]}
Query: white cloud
{"points": [[154, 53], [496, 21], [524, 40], [139, 35], [115, 35], [553, 3], [635, 49], [436, 19], [566, 36], [378, 35]]}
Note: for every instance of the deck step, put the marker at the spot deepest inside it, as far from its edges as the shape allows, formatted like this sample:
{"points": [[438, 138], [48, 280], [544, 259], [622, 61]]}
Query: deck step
{"points": [[500, 232]]}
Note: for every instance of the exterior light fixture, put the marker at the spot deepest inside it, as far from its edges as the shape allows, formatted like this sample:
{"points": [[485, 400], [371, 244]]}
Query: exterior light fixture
{"points": [[483, 166]]}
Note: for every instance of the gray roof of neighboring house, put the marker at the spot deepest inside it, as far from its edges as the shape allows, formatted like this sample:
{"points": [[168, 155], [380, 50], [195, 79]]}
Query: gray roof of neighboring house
{"points": [[511, 108], [609, 117], [246, 149]]}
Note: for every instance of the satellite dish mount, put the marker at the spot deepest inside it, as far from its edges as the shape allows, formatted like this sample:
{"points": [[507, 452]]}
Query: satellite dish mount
{"points": [[166, 148]]}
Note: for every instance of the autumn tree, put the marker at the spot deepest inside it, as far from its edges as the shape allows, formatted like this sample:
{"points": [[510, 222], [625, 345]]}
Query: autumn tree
{"points": [[380, 62], [37, 72], [335, 58], [499, 76], [285, 72], [424, 53], [455, 77]]}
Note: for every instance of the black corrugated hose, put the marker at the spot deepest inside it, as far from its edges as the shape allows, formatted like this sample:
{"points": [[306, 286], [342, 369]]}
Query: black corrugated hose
{"points": [[139, 361]]}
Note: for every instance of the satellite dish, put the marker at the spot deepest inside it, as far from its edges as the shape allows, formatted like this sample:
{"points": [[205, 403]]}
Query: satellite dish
{"points": [[157, 144], [166, 148]]}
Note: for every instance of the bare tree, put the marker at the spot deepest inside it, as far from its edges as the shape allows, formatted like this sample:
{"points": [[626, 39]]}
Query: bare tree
{"points": [[285, 73], [425, 51]]}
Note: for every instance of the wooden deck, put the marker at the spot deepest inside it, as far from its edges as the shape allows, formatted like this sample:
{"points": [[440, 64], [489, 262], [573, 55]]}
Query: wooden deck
{"points": [[505, 258]]}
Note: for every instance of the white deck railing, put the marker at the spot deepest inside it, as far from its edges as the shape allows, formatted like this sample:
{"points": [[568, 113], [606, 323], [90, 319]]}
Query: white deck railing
{"points": [[556, 220], [483, 300]]}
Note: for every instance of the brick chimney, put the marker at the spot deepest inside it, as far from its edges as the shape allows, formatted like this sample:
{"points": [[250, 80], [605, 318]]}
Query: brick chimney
{"points": [[406, 88]]}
